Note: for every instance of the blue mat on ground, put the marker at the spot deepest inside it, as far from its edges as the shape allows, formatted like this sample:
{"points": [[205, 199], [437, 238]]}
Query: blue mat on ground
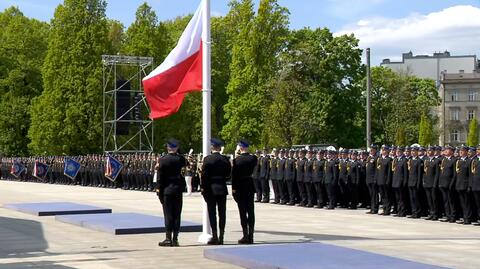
{"points": [[56, 208], [125, 223], [308, 256]]}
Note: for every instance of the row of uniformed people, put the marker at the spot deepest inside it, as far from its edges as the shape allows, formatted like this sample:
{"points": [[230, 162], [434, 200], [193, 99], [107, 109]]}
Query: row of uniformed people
{"points": [[413, 181]]}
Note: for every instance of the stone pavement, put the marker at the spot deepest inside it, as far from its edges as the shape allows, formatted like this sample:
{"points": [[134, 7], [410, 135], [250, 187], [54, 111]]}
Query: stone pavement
{"points": [[28, 241]]}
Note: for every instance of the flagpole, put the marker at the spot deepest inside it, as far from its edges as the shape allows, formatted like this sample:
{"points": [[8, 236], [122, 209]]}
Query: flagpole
{"points": [[206, 96]]}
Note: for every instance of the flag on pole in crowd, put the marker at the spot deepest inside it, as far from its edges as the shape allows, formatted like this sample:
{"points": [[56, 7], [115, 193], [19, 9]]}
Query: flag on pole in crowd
{"points": [[71, 168], [180, 73], [17, 168], [40, 170], [112, 168]]}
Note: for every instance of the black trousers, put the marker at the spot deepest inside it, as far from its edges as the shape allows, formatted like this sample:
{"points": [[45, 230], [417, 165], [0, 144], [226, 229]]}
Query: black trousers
{"points": [[319, 191], [353, 192], [399, 197], [373, 191], [385, 196], [431, 194], [448, 203], [282, 188], [258, 189], [415, 201], [310, 191], [214, 202], [246, 210], [290, 190], [302, 192], [465, 202], [332, 194], [172, 211], [476, 198], [265, 189]]}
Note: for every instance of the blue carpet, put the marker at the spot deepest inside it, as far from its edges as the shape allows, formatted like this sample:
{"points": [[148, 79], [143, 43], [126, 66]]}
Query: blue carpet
{"points": [[56, 208], [308, 256], [125, 223]]}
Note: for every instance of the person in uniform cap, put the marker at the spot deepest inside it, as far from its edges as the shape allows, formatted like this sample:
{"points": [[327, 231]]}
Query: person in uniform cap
{"points": [[331, 178], [384, 179], [400, 180], [415, 178], [431, 171], [447, 174], [264, 163], [290, 175], [216, 170], [170, 186], [461, 181], [370, 178], [243, 190], [256, 178]]}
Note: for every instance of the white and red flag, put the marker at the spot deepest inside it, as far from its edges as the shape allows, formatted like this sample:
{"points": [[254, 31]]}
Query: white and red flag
{"points": [[180, 73]]}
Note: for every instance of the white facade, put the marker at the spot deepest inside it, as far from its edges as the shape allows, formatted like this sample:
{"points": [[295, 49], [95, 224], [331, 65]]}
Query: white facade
{"points": [[432, 67]]}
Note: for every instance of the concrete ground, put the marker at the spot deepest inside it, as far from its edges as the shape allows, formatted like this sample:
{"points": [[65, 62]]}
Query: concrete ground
{"points": [[28, 241]]}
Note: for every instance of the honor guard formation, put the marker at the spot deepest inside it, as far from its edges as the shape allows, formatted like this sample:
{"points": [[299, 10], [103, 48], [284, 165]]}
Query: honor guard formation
{"points": [[434, 183]]}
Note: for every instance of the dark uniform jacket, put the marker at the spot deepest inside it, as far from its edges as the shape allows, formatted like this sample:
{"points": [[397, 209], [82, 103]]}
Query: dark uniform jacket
{"points": [[308, 176], [415, 172], [400, 172], [431, 172], [331, 172], [264, 163], [170, 180], [281, 169], [353, 170], [300, 169], [342, 171], [318, 170], [216, 172], [370, 169], [242, 182], [290, 168], [274, 168], [462, 174], [474, 182], [383, 173], [447, 172]]}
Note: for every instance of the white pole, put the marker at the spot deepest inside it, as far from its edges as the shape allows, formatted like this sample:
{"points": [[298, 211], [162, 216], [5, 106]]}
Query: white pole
{"points": [[206, 96]]}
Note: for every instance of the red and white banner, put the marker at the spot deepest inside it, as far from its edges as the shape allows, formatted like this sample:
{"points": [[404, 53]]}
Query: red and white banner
{"points": [[180, 73]]}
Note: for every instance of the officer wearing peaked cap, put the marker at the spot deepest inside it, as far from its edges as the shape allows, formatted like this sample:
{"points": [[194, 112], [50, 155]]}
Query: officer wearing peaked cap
{"points": [[216, 170], [170, 186], [243, 190]]}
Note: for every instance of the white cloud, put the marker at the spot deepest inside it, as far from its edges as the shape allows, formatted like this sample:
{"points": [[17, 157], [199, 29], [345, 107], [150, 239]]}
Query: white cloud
{"points": [[456, 29]]}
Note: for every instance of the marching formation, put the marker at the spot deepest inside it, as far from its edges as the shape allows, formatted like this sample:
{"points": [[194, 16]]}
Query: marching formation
{"points": [[438, 183]]}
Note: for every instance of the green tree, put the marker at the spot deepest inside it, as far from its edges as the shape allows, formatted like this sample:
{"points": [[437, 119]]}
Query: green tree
{"points": [[400, 137], [425, 132], [67, 117], [258, 41], [22, 51], [472, 139], [116, 36]]}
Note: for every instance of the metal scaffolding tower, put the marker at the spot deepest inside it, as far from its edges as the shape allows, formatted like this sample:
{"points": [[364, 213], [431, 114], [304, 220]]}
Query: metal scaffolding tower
{"points": [[126, 129]]}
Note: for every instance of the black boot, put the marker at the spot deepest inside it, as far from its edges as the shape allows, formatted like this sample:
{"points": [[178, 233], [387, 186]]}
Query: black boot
{"points": [[214, 239], [175, 240], [244, 239], [220, 238], [167, 242], [250, 236]]}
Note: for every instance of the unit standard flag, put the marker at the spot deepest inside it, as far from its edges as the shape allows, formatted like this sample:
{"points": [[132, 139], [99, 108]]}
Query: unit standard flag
{"points": [[112, 168], [17, 168], [40, 170], [71, 168]]}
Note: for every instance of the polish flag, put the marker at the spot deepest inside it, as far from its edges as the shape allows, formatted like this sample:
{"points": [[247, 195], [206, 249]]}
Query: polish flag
{"points": [[180, 73]]}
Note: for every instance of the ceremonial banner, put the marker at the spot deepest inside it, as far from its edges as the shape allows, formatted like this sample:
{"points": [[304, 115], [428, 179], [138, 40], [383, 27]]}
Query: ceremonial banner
{"points": [[71, 168], [112, 168], [40, 170], [17, 169]]}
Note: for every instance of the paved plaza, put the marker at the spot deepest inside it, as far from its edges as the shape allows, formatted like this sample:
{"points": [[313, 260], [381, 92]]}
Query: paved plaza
{"points": [[28, 241]]}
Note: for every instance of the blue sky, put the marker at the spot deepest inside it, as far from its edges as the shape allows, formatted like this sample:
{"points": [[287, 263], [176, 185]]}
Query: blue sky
{"points": [[356, 16]]}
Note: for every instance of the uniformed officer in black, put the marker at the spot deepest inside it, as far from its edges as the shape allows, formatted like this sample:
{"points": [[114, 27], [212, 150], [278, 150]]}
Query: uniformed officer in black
{"points": [[216, 171], [243, 190], [331, 179], [264, 174], [300, 169], [370, 179], [317, 178], [462, 169], [415, 177], [400, 180], [256, 179], [353, 169], [282, 187], [383, 176], [447, 173], [170, 187], [308, 179], [274, 167], [290, 173], [343, 178], [431, 172]]}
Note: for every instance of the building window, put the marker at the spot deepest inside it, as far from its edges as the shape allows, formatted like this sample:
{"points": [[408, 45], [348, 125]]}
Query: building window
{"points": [[454, 114], [472, 95], [471, 114], [454, 96], [454, 136]]}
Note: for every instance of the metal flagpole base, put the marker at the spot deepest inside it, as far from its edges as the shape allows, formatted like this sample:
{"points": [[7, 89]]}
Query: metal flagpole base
{"points": [[207, 230]]}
